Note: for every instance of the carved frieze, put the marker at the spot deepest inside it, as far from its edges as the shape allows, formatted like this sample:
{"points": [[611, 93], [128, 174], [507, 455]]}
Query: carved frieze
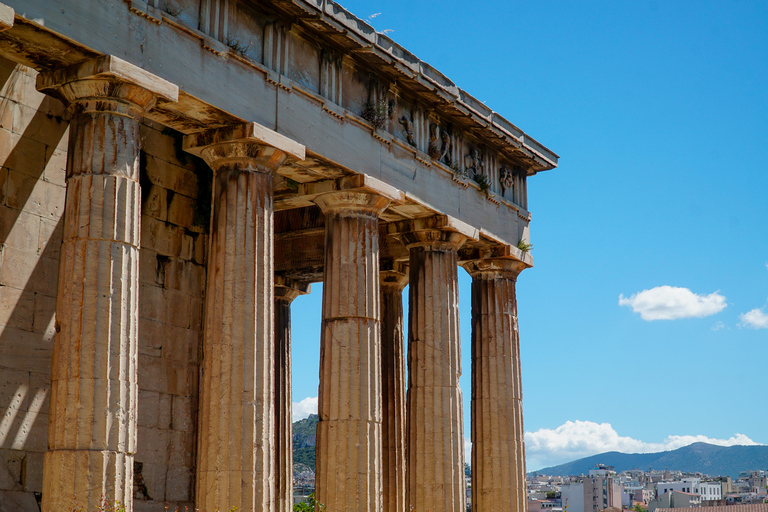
{"points": [[408, 130], [506, 180]]}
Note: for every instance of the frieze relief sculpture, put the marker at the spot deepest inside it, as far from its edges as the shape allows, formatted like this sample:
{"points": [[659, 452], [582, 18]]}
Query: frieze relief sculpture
{"points": [[473, 163], [506, 180], [433, 150], [408, 130], [445, 148]]}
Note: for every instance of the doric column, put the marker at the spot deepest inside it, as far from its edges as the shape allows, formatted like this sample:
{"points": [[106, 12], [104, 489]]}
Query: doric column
{"points": [[435, 431], [236, 445], [349, 432], [285, 291], [92, 419], [393, 389], [498, 449]]}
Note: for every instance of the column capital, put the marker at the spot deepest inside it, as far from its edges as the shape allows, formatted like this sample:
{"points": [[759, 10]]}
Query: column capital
{"points": [[494, 268], [248, 144], [107, 84], [352, 202], [440, 232], [287, 289], [393, 275]]}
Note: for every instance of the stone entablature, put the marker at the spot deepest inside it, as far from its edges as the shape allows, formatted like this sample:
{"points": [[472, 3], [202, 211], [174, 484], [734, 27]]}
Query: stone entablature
{"points": [[374, 108]]}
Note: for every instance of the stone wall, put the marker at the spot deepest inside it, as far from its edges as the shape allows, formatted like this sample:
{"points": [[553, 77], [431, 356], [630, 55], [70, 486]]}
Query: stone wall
{"points": [[172, 276], [33, 144], [33, 141]]}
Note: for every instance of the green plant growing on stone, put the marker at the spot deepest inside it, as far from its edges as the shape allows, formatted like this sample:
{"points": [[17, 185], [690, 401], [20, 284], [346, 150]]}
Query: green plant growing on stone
{"points": [[483, 181], [308, 505], [237, 45], [523, 246], [378, 113]]}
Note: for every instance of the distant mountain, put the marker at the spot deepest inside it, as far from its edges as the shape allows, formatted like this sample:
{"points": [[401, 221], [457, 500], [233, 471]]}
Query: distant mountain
{"points": [[696, 458], [304, 441]]}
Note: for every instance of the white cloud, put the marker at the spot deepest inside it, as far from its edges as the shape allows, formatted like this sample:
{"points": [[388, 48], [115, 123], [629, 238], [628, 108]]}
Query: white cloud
{"points": [[671, 302], [304, 408], [576, 439], [718, 326], [756, 319]]}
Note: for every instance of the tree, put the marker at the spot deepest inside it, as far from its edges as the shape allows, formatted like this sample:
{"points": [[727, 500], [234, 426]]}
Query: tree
{"points": [[308, 505]]}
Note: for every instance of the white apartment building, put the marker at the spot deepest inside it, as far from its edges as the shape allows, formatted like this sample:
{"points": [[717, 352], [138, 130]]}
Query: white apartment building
{"points": [[707, 490]]}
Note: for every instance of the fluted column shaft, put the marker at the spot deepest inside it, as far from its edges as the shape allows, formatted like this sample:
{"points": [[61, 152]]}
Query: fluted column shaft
{"points": [[348, 475], [236, 449], [435, 438], [393, 390], [498, 449], [92, 417], [285, 291]]}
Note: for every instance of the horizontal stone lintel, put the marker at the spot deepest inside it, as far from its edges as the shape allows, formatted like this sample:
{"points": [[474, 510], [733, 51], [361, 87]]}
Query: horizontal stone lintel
{"points": [[111, 67], [6, 17], [244, 133]]}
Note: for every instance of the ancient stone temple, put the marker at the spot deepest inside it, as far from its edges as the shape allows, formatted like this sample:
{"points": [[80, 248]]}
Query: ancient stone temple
{"points": [[173, 173]]}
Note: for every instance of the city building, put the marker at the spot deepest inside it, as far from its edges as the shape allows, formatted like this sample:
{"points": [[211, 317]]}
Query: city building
{"points": [[592, 494], [675, 499]]}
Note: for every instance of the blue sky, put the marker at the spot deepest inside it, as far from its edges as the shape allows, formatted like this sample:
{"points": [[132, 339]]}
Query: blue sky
{"points": [[645, 319]]}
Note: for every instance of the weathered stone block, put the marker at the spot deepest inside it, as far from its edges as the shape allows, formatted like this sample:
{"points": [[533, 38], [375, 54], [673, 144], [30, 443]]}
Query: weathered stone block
{"points": [[187, 248], [177, 378], [3, 182], [180, 344], [7, 111], [181, 212], [152, 446], [161, 237], [24, 349], [201, 247], [149, 403], [55, 171], [154, 478], [151, 337], [17, 308], [32, 472], [21, 154], [151, 302], [173, 177], [157, 144], [20, 85], [17, 267], [40, 390], [14, 389], [177, 308], [32, 432], [19, 229], [181, 449], [35, 196], [35, 124], [156, 203], [183, 411], [164, 416], [179, 484], [151, 270], [45, 317], [49, 241], [151, 374], [196, 313]]}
